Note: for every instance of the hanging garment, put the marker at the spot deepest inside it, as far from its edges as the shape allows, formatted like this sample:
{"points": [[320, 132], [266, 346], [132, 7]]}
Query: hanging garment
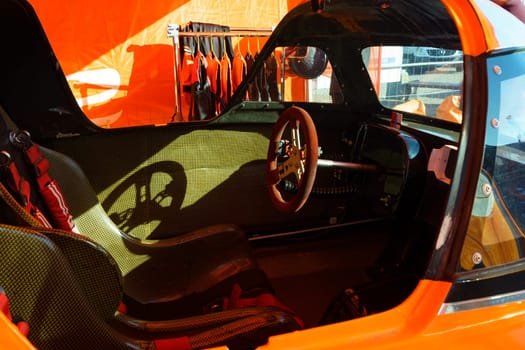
{"points": [[262, 83], [188, 73], [253, 89], [225, 73], [213, 70], [187, 79], [238, 71], [202, 106], [271, 77]]}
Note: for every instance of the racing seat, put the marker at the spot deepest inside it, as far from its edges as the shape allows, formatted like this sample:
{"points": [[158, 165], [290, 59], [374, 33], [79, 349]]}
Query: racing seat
{"points": [[196, 274], [69, 301]]}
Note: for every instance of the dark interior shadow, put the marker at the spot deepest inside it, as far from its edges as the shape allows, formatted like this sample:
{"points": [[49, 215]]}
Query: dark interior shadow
{"points": [[158, 205], [242, 200]]}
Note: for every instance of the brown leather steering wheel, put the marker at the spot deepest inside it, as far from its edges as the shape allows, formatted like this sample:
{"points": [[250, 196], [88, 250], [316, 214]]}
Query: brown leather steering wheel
{"points": [[292, 157]]}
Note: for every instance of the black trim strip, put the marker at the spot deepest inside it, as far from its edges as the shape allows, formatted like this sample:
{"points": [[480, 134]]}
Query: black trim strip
{"points": [[489, 283]]}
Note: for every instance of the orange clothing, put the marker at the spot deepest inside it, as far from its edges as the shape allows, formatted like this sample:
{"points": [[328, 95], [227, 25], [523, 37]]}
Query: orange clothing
{"points": [[213, 70], [187, 79], [225, 77], [238, 71]]}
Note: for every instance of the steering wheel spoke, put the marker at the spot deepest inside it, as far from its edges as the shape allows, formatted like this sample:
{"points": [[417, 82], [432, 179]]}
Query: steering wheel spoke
{"points": [[296, 135]]}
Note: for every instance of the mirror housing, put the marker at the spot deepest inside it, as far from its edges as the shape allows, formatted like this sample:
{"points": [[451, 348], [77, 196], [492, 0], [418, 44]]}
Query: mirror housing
{"points": [[308, 62]]}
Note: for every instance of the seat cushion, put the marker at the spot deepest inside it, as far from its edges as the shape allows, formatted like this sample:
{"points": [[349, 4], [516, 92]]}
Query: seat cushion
{"points": [[252, 282]]}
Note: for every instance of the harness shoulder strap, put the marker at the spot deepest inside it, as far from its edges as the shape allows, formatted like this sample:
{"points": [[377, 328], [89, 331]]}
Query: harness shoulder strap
{"points": [[21, 189], [48, 188]]}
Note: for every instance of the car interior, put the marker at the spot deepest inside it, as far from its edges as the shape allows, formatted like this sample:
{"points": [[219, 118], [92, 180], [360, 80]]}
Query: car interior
{"points": [[199, 231]]}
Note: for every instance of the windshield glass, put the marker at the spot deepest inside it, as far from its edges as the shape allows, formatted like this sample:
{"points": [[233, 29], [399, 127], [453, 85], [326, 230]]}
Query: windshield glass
{"points": [[495, 233], [417, 79]]}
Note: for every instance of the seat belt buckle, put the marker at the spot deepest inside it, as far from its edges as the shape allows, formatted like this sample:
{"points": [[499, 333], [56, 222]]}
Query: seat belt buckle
{"points": [[20, 139]]}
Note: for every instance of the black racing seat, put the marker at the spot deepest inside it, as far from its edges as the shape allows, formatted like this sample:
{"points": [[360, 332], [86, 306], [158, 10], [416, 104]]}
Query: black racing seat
{"points": [[190, 275], [69, 301]]}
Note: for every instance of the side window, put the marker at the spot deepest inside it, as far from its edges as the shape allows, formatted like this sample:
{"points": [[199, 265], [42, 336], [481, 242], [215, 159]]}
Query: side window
{"points": [[203, 87], [307, 75], [495, 234], [296, 74], [416, 79]]}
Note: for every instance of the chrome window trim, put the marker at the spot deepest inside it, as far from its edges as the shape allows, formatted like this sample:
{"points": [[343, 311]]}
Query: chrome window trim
{"points": [[465, 305]]}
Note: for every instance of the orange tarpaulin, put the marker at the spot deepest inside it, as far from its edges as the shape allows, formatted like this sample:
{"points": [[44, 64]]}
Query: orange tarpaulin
{"points": [[118, 58]]}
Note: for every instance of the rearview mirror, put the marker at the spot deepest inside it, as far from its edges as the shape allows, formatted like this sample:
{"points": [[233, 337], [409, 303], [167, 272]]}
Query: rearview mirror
{"points": [[308, 62]]}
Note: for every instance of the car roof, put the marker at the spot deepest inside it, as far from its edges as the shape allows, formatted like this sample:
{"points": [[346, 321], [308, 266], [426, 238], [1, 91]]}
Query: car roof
{"points": [[475, 26], [423, 23]]}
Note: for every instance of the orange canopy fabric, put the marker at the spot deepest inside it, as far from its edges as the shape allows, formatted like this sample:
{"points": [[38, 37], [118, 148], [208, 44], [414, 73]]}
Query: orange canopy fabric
{"points": [[118, 58]]}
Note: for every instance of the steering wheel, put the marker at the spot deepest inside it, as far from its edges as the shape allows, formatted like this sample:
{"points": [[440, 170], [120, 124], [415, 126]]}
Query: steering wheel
{"points": [[292, 161]]}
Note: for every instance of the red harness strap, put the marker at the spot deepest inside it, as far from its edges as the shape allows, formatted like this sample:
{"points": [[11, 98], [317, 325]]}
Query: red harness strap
{"points": [[181, 343], [266, 299], [50, 190], [23, 327], [47, 187], [21, 188]]}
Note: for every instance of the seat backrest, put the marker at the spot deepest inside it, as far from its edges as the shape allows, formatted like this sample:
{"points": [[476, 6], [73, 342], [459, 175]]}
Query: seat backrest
{"points": [[92, 219], [95, 269], [96, 272], [44, 291]]}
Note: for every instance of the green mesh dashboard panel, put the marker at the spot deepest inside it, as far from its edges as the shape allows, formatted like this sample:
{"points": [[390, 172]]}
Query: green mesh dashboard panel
{"points": [[158, 183]]}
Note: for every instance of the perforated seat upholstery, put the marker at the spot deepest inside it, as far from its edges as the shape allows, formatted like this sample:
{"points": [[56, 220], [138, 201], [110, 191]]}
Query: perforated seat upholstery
{"points": [[69, 305]]}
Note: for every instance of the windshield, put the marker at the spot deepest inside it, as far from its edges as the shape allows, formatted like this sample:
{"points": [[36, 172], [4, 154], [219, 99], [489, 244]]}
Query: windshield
{"points": [[417, 79], [495, 233]]}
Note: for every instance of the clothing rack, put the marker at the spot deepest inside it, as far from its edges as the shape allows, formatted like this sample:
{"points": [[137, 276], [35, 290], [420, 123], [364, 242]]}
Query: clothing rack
{"points": [[174, 32]]}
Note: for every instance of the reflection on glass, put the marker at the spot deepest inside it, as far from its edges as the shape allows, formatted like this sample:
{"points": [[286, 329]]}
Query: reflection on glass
{"points": [[496, 231], [417, 79]]}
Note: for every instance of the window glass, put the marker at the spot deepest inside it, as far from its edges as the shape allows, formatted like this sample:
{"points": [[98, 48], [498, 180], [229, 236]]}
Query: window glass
{"points": [[296, 74], [206, 79], [416, 79], [495, 233]]}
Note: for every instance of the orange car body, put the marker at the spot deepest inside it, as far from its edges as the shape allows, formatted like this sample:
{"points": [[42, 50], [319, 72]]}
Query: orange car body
{"points": [[430, 318]]}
